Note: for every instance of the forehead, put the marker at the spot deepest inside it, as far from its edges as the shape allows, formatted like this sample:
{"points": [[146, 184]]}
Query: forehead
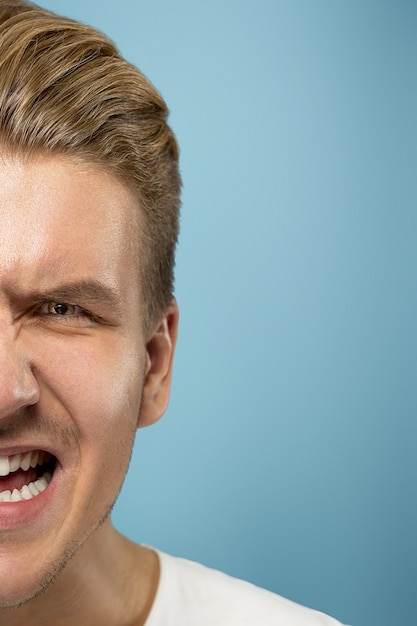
{"points": [[60, 217]]}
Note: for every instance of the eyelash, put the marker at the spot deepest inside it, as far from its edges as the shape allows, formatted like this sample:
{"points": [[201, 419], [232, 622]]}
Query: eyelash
{"points": [[78, 312]]}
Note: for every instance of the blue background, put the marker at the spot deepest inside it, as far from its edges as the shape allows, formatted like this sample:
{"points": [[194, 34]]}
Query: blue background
{"points": [[288, 454]]}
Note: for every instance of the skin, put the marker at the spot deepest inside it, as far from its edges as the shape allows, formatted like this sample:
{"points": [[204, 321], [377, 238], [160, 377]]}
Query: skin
{"points": [[75, 384]]}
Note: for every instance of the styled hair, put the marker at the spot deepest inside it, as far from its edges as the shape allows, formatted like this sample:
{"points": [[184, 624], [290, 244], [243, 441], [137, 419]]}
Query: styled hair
{"points": [[66, 90]]}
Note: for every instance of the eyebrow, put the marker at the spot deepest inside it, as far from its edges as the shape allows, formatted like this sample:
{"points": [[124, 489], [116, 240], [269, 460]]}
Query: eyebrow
{"points": [[87, 292]]}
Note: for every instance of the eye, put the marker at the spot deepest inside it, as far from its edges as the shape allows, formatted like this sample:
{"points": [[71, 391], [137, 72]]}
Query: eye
{"points": [[61, 308], [71, 314]]}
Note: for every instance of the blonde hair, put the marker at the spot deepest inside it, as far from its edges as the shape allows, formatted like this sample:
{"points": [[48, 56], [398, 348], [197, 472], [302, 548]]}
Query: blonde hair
{"points": [[65, 89]]}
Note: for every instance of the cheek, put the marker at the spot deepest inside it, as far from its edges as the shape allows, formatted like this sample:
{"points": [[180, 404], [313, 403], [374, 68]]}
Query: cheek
{"points": [[103, 402], [100, 388]]}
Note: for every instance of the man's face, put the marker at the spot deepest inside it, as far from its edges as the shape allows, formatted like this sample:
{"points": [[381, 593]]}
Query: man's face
{"points": [[73, 361]]}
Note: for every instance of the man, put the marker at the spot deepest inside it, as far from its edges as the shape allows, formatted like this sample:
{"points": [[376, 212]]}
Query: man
{"points": [[89, 218]]}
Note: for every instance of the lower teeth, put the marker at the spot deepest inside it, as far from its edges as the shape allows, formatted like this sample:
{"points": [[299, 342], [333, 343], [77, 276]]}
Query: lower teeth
{"points": [[27, 492]]}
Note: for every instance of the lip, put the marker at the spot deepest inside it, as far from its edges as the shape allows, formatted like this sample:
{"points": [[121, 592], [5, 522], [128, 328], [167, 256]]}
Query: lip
{"points": [[11, 451]]}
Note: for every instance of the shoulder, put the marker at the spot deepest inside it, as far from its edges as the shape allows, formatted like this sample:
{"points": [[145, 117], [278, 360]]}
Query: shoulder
{"points": [[190, 593]]}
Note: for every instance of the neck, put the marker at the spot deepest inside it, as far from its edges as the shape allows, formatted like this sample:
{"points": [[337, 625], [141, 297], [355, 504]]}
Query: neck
{"points": [[110, 580]]}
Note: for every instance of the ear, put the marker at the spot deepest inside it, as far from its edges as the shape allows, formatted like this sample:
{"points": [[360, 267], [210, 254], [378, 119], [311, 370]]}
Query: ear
{"points": [[160, 349]]}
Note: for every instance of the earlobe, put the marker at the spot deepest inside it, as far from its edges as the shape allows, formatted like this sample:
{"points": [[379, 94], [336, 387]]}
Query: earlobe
{"points": [[159, 362]]}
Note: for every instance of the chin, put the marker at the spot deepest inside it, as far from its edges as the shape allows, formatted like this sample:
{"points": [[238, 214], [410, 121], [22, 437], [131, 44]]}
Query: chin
{"points": [[17, 591], [24, 578]]}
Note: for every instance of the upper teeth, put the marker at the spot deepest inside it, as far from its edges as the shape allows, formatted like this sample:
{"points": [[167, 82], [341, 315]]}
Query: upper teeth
{"points": [[13, 463]]}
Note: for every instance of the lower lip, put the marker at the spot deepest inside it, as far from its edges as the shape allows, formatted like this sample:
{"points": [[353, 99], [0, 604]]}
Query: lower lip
{"points": [[17, 514]]}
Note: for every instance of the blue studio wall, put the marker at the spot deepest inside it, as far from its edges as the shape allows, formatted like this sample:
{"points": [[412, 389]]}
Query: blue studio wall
{"points": [[287, 456]]}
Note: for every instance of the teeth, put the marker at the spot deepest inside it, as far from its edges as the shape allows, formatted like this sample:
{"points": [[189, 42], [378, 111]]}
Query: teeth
{"points": [[41, 484], [16, 497], [27, 492], [14, 462], [34, 459], [23, 461], [4, 466], [33, 489], [5, 496]]}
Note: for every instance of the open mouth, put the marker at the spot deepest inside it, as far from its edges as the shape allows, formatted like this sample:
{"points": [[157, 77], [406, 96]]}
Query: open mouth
{"points": [[25, 476]]}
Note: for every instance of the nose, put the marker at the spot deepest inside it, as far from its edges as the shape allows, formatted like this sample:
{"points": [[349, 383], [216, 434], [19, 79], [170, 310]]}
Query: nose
{"points": [[18, 386]]}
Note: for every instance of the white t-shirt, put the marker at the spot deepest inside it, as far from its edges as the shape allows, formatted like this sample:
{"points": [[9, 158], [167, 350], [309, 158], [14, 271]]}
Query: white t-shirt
{"points": [[190, 594]]}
